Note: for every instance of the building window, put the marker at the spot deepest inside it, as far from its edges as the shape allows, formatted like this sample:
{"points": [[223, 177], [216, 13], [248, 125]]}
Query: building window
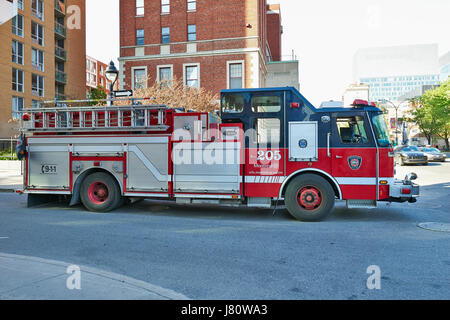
{"points": [[192, 75], [37, 9], [37, 85], [192, 5], [165, 6], [37, 59], [17, 80], [17, 52], [165, 75], [165, 35], [139, 8], [20, 4], [140, 39], [139, 78], [37, 33], [235, 72], [17, 106], [192, 32], [17, 25]]}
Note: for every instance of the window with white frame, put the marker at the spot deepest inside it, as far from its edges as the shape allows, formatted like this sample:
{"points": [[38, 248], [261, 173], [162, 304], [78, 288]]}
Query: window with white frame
{"points": [[20, 4], [17, 106], [37, 59], [235, 75], [37, 33], [17, 52], [37, 85], [192, 5], [165, 75], [192, 75], [139, 8], [37, 9], [139, 78], [165, 6], [17, 80], [17, 25]]}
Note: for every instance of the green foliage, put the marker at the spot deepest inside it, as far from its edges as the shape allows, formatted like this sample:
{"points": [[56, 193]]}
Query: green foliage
{"points": [[431, 112], [6, 155], [97, 94]]}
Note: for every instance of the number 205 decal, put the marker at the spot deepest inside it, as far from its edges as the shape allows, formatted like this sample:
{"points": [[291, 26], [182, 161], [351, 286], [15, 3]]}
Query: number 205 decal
{"points": [[269, 155]]}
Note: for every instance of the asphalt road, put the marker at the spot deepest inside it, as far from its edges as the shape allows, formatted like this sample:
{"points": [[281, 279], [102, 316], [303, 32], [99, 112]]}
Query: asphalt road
{"points": [[221, 253]]}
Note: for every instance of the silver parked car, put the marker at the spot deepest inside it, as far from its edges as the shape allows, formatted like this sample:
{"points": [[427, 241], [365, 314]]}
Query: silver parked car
{"points": [[433, 154], [410, 155]]}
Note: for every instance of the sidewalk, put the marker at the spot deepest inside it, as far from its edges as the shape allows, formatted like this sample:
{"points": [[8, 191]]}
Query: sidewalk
{"points": [[11, 178], [30, 278]]}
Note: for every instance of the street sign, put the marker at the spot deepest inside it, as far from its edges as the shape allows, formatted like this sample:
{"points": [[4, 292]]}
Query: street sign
{"points": [[123, 93]]}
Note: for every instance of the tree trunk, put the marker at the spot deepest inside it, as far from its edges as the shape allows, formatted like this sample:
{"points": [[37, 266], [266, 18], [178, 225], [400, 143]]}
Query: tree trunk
{"points": [[447, 144]]}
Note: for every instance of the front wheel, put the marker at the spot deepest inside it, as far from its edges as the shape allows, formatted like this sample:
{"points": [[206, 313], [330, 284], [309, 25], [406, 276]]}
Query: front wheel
{"points": [[309, 197], [100, 192]]}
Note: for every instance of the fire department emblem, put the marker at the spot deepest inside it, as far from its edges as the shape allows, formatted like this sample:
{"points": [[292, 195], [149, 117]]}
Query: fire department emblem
{"points": [[355, 162]]}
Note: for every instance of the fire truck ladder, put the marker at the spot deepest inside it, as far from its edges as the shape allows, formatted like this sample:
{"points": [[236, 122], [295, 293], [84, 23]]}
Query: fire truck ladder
{"points": [[61, 117]]}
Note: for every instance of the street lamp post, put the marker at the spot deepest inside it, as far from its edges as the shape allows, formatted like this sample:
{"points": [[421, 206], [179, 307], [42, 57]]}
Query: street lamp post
{"points": [[396, 107], [111, 74]]}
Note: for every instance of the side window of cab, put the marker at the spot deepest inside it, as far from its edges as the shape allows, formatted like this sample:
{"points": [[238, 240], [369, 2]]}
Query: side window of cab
{"points": [[351, 130]]}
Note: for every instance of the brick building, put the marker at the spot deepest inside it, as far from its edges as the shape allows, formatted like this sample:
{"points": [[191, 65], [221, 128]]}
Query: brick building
{"points": [[95, 76], [205, 43], [40, 57]]}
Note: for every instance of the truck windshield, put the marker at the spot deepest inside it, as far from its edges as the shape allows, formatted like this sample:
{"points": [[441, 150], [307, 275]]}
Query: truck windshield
{"points": [[381, 130]]}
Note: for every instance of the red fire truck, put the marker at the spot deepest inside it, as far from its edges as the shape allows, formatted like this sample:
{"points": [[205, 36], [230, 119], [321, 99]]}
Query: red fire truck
{"points": [[269, 146]]}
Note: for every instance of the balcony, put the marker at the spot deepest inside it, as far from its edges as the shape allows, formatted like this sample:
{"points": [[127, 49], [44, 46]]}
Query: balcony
{"points": [[60, 53], [60, 77], [60, 30], [60, 8]]}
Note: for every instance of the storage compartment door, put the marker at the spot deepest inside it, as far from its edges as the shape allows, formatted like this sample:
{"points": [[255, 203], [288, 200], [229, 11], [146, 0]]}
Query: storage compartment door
{"points": [[303, 141]]}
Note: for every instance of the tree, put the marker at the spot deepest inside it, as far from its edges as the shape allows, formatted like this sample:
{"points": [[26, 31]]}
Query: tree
{"points": [[97, 94], [437, 101], [175, 94], [425, 118]]}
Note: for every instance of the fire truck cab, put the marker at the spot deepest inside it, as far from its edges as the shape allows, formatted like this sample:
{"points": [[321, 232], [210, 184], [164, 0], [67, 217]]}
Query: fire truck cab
{"points": [[268, 146]]}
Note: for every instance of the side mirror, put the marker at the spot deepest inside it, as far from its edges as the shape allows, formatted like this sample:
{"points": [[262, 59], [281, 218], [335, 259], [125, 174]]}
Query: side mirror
{"points": [[411, 176]]}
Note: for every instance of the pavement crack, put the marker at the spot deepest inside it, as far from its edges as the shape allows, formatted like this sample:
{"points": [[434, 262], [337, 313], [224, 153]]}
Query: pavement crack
{"points": [[29, 284]]}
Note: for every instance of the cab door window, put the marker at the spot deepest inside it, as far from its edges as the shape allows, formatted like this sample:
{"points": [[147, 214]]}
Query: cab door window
{"points": [[351, 130]]}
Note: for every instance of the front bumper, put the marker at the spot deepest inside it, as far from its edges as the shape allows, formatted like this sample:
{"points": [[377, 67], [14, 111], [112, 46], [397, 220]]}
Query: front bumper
{"points": [[414, 161], [436, 158], [403, 190]]}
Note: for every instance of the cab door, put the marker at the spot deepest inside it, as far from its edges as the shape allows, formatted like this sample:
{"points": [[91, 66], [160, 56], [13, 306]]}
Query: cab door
{"points": [[353, 156]]}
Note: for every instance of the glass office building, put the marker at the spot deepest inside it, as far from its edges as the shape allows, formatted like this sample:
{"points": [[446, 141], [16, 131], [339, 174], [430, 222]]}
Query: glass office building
{"points": [[393, 87]]}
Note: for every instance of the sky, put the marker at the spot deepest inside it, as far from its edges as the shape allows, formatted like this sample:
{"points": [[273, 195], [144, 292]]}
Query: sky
{"points": [[324, 34]]}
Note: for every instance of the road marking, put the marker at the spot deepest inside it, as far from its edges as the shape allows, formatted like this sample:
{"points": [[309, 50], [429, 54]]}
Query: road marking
{"points": [[2, 238]]}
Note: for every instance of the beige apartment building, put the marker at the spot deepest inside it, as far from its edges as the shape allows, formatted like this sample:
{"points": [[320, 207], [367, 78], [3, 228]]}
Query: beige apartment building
{"points": [[42, 57]]}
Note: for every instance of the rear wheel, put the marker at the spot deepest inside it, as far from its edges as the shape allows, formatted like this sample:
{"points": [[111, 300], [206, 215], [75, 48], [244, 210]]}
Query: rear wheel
{"points": [[100, 192], [309, 197]]}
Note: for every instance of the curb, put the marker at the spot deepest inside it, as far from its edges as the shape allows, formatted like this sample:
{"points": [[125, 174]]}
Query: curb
{"points": [[138, 284]]}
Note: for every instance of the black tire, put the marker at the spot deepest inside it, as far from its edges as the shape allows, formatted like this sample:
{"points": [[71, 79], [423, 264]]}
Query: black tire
{"points": [[425, 164], [100, 192], [302, 196]]}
